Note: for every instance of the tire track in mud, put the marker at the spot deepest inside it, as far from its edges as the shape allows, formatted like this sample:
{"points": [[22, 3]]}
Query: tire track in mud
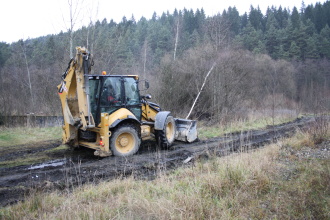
{"points": [[81, 167]]}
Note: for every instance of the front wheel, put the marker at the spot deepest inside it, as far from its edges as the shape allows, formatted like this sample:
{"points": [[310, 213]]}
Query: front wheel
{"points": [[125, 141], [165, 137]]}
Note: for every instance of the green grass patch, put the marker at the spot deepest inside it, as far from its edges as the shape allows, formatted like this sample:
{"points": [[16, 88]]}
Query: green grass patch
{"points": [[23, 135]]}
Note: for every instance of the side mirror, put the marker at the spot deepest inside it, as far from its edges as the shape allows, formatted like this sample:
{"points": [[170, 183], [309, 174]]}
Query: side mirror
{"points": [[147, 96], [146, 84]]}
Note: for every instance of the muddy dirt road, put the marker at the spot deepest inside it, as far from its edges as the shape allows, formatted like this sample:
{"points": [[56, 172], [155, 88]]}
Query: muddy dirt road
{"points": [[71, 168]]}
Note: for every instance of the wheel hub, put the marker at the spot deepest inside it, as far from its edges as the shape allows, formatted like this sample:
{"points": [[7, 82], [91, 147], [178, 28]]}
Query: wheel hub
{"points": [[123, 141]]}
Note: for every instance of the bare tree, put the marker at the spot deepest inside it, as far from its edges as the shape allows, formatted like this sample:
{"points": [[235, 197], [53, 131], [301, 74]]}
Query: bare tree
{"points": [[28, 71], [199, 92], [75, 7], [93, 13], [218, 31], [274, 84], [176, 38], [145, 47]]}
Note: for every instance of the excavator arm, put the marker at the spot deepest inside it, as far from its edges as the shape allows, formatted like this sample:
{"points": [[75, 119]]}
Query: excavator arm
{"points": [[74, 95]]}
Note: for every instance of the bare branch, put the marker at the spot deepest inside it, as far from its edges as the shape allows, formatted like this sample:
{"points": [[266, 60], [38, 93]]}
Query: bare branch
{"points": [[176, 38], [207, 75]]}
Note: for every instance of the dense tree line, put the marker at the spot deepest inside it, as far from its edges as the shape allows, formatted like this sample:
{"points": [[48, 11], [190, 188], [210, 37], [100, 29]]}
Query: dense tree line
{"points": [[283, 53]]}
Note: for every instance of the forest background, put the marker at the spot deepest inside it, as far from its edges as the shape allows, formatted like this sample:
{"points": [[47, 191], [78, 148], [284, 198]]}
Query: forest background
{"points": [[278, 60]]}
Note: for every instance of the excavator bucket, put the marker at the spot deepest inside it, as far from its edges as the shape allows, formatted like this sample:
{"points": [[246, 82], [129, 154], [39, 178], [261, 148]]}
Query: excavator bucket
{"points": [[186, 130]]}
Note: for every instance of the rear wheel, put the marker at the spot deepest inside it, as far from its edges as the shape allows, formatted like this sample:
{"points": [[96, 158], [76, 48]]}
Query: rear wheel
{"points": [[125, 141], [165, 137]]}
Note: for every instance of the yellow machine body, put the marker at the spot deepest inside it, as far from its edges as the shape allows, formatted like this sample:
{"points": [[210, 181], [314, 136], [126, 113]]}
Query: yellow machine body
{"points": [[116, 128]]}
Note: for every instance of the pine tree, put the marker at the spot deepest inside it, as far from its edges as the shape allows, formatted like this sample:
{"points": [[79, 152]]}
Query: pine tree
{"points": [[272, 39], [310, 28], [141, 30], [189, 22], [282, 54], [325, 32], [244, 21], [200, 21], [311, 48], [194, 39], [271, 21], [294, 51], [325, 48], [260, 49], [165, 39], [320, 18], [256, 18], [234, 20], [295, 18], [4, 53], [288, 36], [272, 42], [301, 39], [279, 15], [309, 14], [326, 9], [51, 47], [324, 42], [251, 37]]}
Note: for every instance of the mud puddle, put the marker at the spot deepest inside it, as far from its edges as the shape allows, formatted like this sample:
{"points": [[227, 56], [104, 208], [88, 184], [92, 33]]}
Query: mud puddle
{"points": [[54, 163]]}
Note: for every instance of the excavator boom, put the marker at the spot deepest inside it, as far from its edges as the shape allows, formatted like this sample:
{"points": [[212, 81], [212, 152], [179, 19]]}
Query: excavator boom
{"points": [[74, 94]]}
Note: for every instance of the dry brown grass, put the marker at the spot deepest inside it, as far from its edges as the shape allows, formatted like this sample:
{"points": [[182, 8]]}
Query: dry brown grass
{"points": [[221, 188], [269, 183], [253, 120]]}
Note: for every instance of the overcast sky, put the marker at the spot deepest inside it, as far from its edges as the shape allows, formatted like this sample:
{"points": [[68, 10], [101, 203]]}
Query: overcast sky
{"points": [[22, 19]]}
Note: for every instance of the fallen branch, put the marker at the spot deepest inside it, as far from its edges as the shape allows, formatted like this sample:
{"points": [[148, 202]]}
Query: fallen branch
{"points": [[207, 75]]}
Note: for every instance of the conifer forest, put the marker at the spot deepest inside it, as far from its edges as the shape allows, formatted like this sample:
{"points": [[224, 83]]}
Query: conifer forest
{"points": [[274, 60]]}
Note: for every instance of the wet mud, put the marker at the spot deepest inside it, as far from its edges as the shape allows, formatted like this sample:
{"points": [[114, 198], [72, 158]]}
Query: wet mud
{"points": [[70, 168]]}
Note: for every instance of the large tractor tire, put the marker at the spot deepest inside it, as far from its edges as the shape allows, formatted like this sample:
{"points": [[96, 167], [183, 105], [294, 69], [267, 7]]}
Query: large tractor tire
{"points": [[125, 140], [166, 136]]}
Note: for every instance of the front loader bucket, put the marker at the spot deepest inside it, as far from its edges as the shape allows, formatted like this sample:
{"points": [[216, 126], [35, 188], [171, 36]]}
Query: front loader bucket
{"points": [[186, 130]]}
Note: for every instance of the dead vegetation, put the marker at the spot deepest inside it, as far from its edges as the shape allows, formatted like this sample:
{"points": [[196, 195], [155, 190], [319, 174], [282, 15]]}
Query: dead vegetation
{"points": [[287, 180]]}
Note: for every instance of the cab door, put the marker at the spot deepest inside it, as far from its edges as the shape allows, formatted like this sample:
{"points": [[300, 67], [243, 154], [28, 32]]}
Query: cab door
{"points": [[132, 96]]}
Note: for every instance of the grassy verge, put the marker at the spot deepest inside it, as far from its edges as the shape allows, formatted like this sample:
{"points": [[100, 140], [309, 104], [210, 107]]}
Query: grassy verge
{"points": [[280, 181], [17, 136]]}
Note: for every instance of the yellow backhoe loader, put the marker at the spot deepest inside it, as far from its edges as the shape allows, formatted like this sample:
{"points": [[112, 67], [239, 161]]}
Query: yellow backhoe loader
{"points": [[107, 113]]}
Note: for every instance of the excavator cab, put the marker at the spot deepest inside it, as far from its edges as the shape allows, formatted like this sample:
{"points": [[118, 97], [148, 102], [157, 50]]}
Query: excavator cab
{"points": [[109, 93]]}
